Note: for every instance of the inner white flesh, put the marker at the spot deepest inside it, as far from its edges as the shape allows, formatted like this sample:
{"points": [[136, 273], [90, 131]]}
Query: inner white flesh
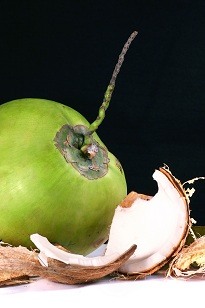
{"points": [[156, 226], [47, 250]]}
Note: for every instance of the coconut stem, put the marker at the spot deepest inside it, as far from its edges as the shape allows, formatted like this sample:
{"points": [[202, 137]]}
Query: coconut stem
{"points": [[108, 93]]}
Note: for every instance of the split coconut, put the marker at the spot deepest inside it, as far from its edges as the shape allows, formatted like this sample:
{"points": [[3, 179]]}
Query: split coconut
{"points": [[158, 226]]}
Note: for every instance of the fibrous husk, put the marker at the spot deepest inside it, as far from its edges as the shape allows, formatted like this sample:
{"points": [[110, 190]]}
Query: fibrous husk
{"points": [[19, 265], [190, 261]]}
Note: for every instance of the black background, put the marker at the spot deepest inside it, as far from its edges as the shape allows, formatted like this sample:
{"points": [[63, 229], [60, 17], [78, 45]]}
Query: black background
{"points": [[66, 51]]}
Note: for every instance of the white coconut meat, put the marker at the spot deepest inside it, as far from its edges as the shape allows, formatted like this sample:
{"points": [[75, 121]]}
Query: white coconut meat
{"points": [[48, 250], [157, 225]]}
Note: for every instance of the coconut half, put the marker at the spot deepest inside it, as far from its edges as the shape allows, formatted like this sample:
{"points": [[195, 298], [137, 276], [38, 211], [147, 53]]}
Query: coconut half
{"points": [[158, 226]]}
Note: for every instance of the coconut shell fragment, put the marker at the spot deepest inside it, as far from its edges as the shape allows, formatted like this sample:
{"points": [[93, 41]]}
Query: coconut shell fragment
{"points": [[18, 265], [58, 271], [190, 261], [158, 225]]}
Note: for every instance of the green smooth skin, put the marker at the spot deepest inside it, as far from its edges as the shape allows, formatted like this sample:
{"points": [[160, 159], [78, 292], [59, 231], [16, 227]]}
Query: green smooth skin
{"points": [[40, 192]]}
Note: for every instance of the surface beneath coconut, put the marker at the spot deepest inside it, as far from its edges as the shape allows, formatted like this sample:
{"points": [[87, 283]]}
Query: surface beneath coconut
{"points": [[188, 293]]}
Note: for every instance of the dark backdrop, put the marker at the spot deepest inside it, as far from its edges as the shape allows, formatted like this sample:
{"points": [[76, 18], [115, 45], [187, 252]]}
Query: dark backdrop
{"points": [[66, 51]]}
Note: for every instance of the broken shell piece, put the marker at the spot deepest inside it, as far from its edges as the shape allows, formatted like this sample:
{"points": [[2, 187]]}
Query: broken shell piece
{"points": [[48, 250], [158, 226], [190, 261], [65, 267], [19, 265]]}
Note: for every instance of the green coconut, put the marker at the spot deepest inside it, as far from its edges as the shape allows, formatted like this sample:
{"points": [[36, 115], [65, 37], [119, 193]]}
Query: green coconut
{"points": [[57, 178]]}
